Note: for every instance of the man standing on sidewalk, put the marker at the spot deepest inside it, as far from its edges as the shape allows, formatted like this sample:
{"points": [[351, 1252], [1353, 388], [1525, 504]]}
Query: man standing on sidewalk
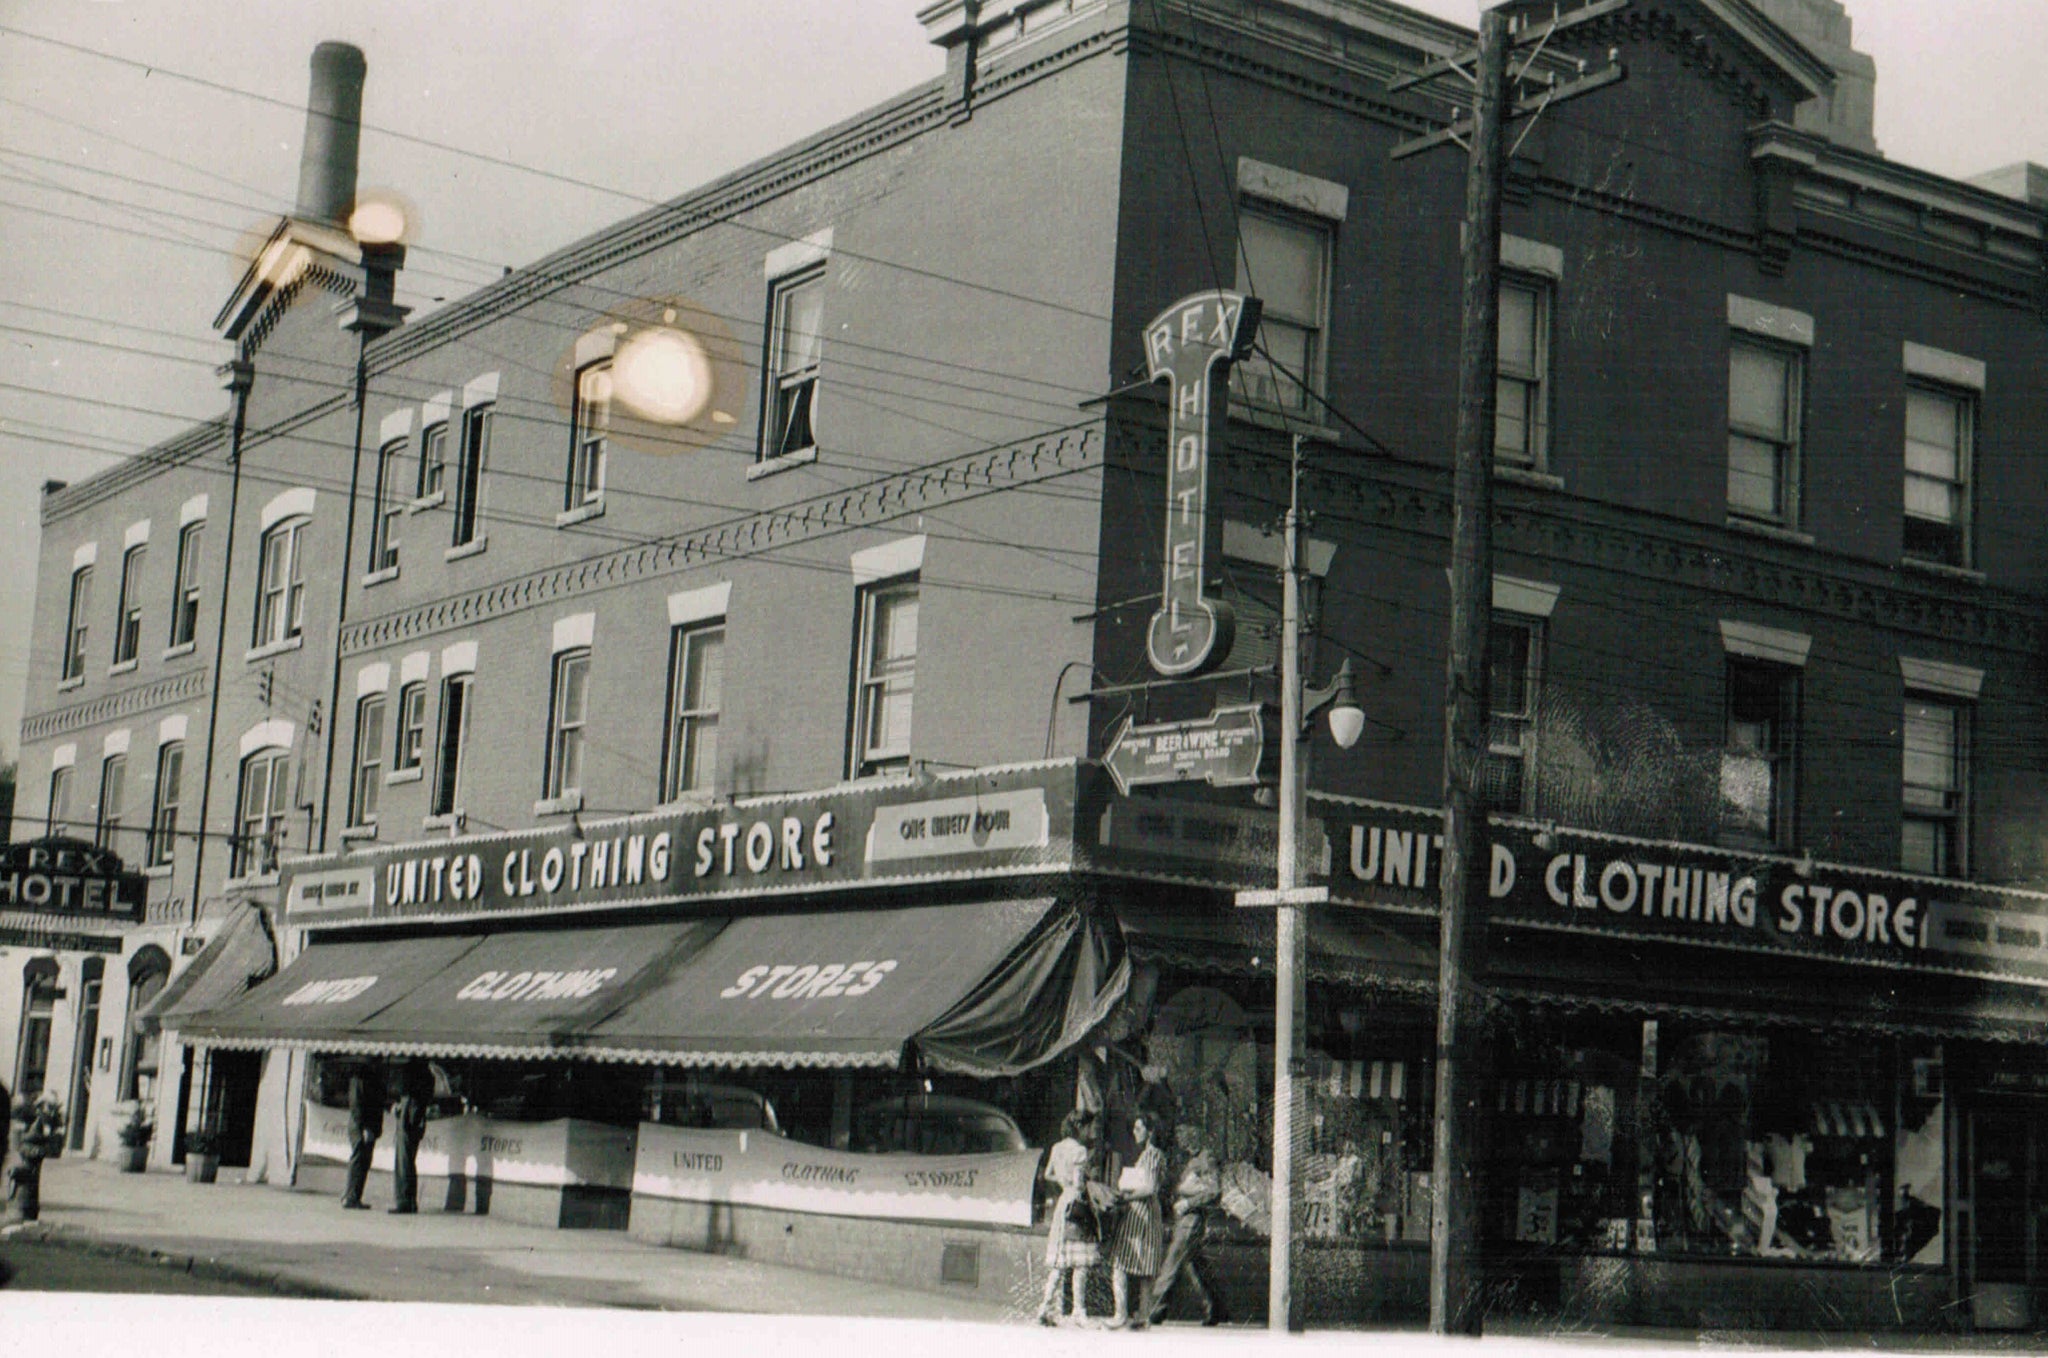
{"points": [[365, 1125], [410, 1114], [1194, 1197]]}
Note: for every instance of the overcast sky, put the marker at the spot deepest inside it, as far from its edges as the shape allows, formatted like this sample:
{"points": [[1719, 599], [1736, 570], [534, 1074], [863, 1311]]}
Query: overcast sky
{"points": [[125, 188]]}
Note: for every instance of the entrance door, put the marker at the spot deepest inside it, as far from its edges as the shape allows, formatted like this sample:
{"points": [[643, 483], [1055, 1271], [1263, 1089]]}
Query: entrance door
{"points": [[2007, 1191], [232, 1081], [82, 1054]]}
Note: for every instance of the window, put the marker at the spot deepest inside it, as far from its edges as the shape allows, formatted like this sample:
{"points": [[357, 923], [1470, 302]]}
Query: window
{"points": [[1763, 432], [1521, 424], [412, 726], [1284, 262], [696, 670], [185, 587], [1939, 429], [38, 1020], [1759, 771], [1934, 831], [146, 977], [59, 820], [281, 584], [259, 814], [113, 789], [469, 472], [384, 527], [128, 620], [453, 744], [433, 458], [588, 427], [1515, 656], [796, 315], [887, 664], [163, 803], [567, 711], [368, 778], [75, 622]]}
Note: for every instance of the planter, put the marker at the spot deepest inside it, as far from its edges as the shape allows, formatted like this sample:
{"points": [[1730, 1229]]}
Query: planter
{"points": [[201, 1169], [132, 1159]]}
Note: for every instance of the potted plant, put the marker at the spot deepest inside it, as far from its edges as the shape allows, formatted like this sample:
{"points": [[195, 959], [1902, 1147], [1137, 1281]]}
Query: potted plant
{"points": [[202, 1156], [39, 1135], [134, 1134]]}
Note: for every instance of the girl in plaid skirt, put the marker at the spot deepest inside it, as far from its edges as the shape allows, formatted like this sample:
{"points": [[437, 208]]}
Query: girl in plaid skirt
{"points": [[1140, 1231]]}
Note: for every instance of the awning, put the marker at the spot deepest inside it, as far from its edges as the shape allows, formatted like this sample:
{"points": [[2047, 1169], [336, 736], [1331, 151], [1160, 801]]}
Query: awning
{"points": [[326, 993], [990, 988], [1345, 944], [239, 955]]}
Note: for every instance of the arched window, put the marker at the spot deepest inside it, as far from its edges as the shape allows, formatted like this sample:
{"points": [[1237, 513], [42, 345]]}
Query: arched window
{"points": [[89, 984], [38, 1012], [147, 972]]}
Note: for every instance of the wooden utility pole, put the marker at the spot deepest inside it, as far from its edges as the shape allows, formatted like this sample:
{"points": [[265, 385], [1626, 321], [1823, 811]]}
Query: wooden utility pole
{"points": [[1456, 1272]]}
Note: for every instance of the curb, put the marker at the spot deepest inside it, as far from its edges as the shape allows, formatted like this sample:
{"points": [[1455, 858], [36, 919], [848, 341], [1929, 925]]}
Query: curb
{"points": [[214, 1270]]}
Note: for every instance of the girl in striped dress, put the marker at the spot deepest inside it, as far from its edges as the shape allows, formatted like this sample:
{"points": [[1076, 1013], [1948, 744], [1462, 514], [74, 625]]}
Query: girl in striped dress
{"points": [[1140, 1231]]}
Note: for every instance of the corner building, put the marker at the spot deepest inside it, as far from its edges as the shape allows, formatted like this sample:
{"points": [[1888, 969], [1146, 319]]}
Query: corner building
{"points": [[669, 711]]}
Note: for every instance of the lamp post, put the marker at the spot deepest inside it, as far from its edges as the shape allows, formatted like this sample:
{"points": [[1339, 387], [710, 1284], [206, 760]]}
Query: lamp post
{"points": [[1298, 707]]}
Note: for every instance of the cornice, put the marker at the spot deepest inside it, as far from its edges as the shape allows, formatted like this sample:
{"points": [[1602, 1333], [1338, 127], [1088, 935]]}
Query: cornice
{"points": [[127, 702], [880, 501]]}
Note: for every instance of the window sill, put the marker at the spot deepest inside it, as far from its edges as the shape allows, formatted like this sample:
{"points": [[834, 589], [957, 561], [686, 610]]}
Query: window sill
{"points": [[1943, 570], [75, 681], [122, 667], [453, 820], [269, 649], [379, 577], [559, 806], [404, 776], [583, 513], [1526, 476], [181, 649], [768, 466], [702, 799], [253, 882], [427, 502], [1790, 536], [1274, 417], [474, 547], [351, 834], [157, 871]]}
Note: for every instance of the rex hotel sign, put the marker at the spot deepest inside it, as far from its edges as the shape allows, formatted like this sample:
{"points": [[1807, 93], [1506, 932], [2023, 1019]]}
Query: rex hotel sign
{"points": [[60, 876]]}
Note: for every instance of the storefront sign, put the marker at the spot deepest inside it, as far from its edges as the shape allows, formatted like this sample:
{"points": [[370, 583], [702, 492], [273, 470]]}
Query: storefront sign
{"points": [[1694, 893], [558, 1154], [31, 936], [60, 876], [1224, 845], [1191, 346], [762, 1169], [997, 821], [1222, 749]]}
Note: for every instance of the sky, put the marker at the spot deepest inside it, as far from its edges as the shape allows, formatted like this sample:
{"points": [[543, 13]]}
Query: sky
{"points": [[141, 141]]}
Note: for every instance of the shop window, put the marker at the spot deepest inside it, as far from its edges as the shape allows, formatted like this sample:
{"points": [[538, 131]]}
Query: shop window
{"points": [[433, 459], [1284, 261], [1759, 759], [453, 744], [472, 460], [185, 587], [77, 623], [38, 1015], [1521, 425], [696, 675], [368, 778], [260, 812], [589, 427], [281, 584], [113, 792], [568, 710], [1940, 426], [1516, 651], [163, 802], [389, 506], [128, 617], [1935, 744], [796, 317], [1764, 415], [59, 819], [886, 677], [147, 972], [410, 745]]}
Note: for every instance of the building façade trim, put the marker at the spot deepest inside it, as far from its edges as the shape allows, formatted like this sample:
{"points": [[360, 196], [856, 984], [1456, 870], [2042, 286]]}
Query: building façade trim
{"points": [[57, 721], [1040, 458]]}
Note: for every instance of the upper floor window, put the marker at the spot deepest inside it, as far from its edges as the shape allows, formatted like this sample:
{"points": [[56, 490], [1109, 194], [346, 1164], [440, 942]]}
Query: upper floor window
{"points": [[411, 741], [453, 743], [796, 320], [1284, 261], [260, 812], [185, 587], [128, 619], [367, 777], [164, 801], [76, 623], [1521, 425], [696, 671], [1759, 759], [389, 506], [886, 671], [1940, 428], [113, 793], [590, 425], [433, 459], [58, 821], [1764, 416], [281, 583], [471, 460], [1515, 658], [568, 709], [1935, 746]]}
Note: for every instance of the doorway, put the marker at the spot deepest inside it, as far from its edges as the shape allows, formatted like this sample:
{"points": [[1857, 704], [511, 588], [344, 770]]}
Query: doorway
{"points": [[232, 1079], [2007, 1166], [82, 1050]]}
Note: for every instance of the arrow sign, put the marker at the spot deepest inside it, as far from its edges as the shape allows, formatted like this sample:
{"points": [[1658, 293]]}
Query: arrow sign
{"points": [[1221, 749]]}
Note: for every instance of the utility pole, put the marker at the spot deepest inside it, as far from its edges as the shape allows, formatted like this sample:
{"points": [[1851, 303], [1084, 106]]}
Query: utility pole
{"points": [[1456, 1273]]}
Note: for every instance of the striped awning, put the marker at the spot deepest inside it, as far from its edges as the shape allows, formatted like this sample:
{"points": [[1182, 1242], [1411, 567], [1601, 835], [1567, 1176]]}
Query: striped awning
{"points": [[1852, 1118]]}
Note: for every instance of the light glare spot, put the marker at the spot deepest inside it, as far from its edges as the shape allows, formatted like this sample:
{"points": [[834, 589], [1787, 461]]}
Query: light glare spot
{"points": [[662, 375], [377, 222]]}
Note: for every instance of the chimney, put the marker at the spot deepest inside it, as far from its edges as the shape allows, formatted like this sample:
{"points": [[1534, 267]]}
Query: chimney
{"points": [[1848, 116], [334, 127]]}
